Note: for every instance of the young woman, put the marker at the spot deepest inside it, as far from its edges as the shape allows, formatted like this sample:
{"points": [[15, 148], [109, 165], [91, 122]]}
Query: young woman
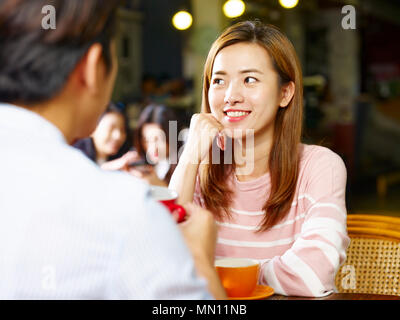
{"points": [[152, 143], [288, 211], [110, 139]]}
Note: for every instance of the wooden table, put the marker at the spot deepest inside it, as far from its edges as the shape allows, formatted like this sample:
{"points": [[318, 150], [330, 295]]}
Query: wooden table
{"points": [[340, 296]]}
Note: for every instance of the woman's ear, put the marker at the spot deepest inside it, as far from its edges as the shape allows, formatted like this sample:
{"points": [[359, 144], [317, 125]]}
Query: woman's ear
{"points": [[287, 92]]}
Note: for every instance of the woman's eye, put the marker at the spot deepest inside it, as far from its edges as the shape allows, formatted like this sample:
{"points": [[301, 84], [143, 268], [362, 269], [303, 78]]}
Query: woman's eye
{"points": [[218, 81], [250, 80]]}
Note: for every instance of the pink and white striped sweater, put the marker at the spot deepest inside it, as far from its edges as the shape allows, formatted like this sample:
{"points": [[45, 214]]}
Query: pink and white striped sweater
{"points": [[302, 253]]}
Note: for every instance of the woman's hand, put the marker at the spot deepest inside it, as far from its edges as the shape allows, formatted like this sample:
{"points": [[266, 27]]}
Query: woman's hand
{"points": [[202, 132], [148, 174], [121, 163]]}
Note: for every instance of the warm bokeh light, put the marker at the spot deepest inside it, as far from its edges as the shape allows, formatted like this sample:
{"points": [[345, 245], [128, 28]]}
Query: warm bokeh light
{"points": [[182, 20], [234, 8], [288, 4]]}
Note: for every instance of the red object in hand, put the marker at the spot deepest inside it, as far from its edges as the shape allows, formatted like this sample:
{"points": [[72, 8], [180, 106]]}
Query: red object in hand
{"points": [[168, 198], [174, 208]]}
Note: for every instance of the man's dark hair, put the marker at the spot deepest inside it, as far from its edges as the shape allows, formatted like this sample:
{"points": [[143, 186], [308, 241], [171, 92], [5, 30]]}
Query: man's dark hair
{"points": [[35, 63]]}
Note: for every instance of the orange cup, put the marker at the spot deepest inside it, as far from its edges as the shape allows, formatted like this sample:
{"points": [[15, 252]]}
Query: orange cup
{"points": [[239, 276]]}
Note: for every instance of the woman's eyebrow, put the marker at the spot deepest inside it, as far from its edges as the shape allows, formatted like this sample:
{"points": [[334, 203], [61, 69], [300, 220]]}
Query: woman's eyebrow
{"points": [[223, 73], [220, 72], [251, 71]]}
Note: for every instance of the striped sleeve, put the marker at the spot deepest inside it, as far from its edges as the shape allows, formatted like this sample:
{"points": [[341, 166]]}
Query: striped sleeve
{"points": [[309, 267]]}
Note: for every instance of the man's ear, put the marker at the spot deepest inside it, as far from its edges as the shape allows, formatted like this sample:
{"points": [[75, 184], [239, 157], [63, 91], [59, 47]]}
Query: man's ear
{"points": [[91, 67], [287, 92]]}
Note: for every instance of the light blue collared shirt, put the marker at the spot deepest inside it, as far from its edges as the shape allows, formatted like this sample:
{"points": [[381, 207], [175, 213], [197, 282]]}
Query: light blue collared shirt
{"points": [[69, 230]]}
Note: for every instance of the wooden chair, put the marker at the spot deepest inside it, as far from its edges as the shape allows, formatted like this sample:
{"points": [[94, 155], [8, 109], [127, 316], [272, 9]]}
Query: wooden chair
{"points": [[373, 257]]}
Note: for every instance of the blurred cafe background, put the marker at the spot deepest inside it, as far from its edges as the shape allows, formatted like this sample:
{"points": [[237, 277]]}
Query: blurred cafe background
{"points": [[351, 75]]}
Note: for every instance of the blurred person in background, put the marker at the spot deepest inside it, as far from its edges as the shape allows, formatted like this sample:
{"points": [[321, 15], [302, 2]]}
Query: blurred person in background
{"points": [[110, 140], [70, 230], [152, 142]]}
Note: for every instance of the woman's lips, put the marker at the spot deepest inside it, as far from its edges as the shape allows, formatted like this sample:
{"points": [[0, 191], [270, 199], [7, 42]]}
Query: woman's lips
{"points": [[235, 115], [115, 147], [154, 155]]}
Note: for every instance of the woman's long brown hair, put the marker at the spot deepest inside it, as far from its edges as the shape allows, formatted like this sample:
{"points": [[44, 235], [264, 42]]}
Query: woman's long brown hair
{"points": [[285, 153]]}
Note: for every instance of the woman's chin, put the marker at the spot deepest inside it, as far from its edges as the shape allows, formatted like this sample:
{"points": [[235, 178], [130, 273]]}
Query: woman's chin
{"points": [[154, 160], [238, 133]]}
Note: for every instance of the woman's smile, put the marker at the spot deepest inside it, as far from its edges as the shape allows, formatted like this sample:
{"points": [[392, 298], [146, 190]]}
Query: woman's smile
{"points": [[235, 115]]}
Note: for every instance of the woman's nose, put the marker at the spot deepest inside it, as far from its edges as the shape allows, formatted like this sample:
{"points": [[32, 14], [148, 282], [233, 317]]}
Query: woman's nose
{"points": [[233, 94]]}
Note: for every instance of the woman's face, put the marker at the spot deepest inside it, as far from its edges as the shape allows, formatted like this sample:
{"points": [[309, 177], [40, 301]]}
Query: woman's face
{"points": [[244, 91], [154, 142], [110, 134]]}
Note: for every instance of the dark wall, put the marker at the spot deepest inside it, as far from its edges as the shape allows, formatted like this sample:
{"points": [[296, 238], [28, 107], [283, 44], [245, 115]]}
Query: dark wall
{"points": [[162, 43]]}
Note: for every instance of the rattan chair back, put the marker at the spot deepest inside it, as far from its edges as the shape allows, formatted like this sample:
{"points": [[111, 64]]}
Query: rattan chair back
{"points": [[373, 257]]}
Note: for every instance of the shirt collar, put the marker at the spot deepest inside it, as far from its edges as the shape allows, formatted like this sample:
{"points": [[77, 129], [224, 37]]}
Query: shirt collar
{"points": [[25, 121]]}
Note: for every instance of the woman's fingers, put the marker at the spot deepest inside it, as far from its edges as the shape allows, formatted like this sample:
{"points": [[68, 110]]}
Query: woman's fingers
{"points": [[221, 141], [202, 132]]}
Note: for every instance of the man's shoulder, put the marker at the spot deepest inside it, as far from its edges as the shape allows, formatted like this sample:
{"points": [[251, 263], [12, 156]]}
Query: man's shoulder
{"points": [[109, 182], [109, 199], [88, 184]]}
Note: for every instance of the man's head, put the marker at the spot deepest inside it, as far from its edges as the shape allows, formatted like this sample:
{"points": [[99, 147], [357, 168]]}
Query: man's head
{"points": [[73, 66]]}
